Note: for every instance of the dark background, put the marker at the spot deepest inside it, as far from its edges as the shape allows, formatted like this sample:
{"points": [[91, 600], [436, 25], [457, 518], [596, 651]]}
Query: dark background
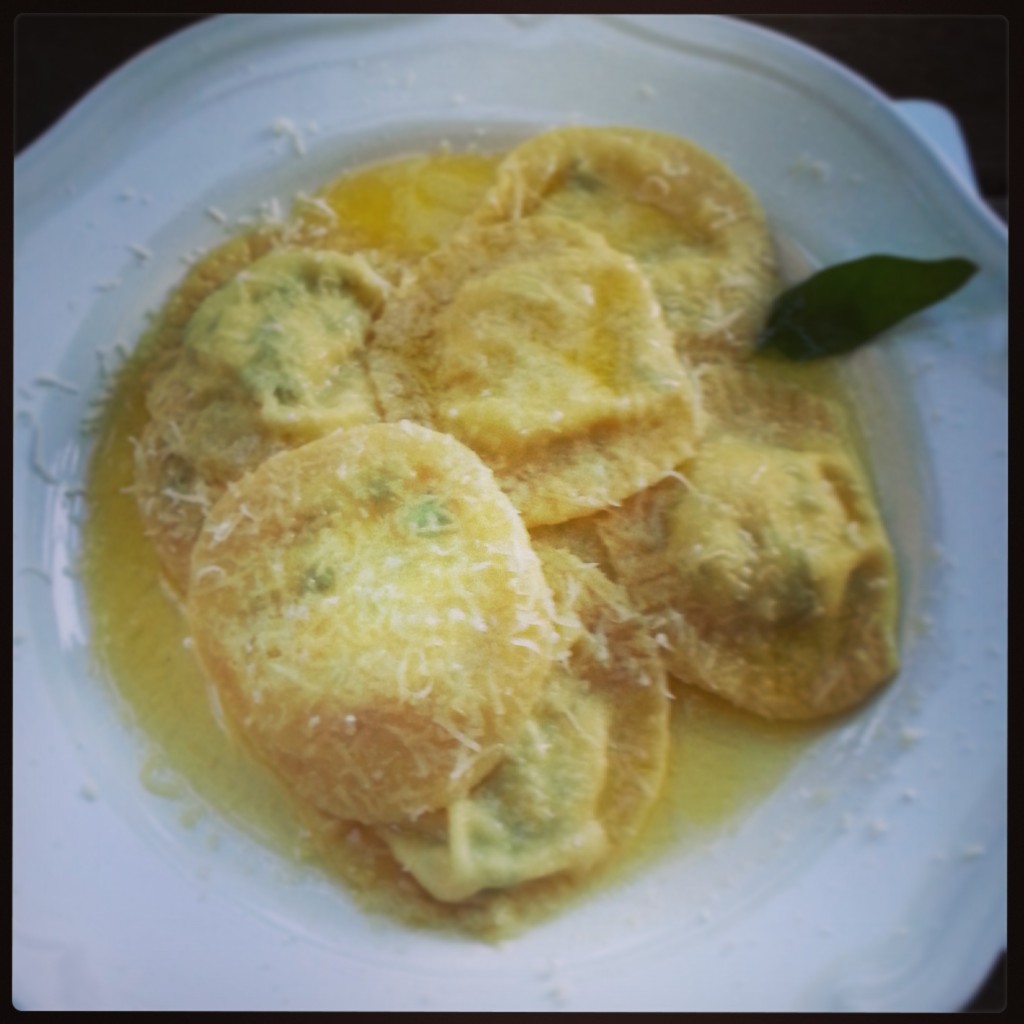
{"points": [[959, 62]]}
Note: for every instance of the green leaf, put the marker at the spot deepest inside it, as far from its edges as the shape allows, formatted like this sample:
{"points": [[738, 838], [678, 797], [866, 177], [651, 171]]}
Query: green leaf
{"points": [[844, 306]]}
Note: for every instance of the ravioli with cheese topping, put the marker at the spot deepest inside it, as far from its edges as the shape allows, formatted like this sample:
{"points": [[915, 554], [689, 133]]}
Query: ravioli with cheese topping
{"points": [[267, 361], [373, 619], [582, 777], [544, 350], [696, 230], [764, 559], [535, 815]]}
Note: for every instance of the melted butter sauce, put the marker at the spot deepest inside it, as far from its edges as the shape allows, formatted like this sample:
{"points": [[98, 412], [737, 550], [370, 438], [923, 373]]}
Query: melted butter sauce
{"points": [[723, 760], [407, 206], [140, 640]]}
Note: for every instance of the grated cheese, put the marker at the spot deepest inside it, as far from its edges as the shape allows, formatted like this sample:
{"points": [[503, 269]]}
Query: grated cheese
{"points": [[205, 571], [47, 380], [174, 495], [910, 736], [286, 126], [318, 204], [521, 641], [36, 461], [812, 167]]}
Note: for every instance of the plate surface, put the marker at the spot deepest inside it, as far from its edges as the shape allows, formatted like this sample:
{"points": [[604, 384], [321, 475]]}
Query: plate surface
{"points": [[873, 878]]}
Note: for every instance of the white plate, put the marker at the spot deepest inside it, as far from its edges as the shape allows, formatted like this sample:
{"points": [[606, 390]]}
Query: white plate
{"points": [[873, 878]]}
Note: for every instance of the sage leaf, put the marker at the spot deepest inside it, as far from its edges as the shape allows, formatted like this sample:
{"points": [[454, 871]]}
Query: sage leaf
{"points": [[846, 305]]}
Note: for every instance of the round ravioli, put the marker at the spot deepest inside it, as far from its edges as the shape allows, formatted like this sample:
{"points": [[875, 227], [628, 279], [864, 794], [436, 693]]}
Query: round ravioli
{"points": [[584, 773], [269, 360], [766, 564], [696, 230], [543, 350], [284, 338], [373, 619]]}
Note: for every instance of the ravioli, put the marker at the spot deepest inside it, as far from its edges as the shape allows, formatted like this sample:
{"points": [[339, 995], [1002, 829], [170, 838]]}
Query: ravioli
{"points": [[269, 360], [696, 230], [544, 351], [373, 618], [585, 771], [214, 270], [534, 816], [765, 560], [286, 332]]}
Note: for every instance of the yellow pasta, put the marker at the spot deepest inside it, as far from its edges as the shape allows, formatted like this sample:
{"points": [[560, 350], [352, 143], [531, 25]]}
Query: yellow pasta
{"points": [[584, 772], [373, 618], [268, 360], [765, 559], [696, 230], [544, 350]]}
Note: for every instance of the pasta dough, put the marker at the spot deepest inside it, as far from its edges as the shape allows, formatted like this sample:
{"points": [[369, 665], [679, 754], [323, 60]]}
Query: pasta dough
{"points": [[765, 561], [696, 230], [268, 360], [586, 769], [543, 350], [535, 815], [373, 618]]}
